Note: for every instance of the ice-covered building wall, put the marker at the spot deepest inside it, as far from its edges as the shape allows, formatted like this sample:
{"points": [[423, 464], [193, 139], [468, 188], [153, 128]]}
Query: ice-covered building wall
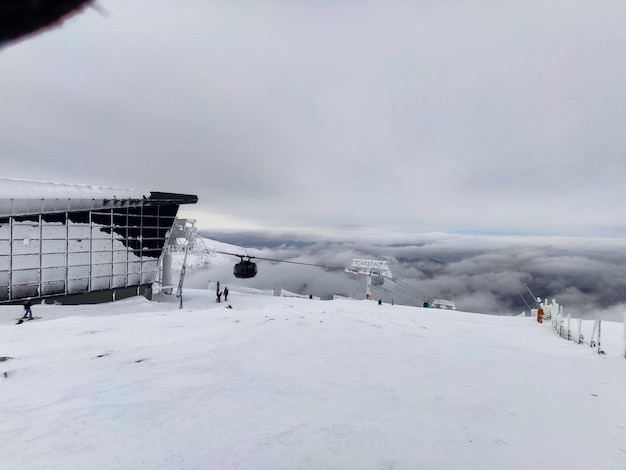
{"points": [[56, 240]]}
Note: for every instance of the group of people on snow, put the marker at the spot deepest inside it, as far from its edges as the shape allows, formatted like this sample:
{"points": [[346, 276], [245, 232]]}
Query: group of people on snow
{"points": [[219, 294]]}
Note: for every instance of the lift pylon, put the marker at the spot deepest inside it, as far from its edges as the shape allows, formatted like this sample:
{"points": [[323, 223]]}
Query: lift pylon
{"points": [[369, 268]]}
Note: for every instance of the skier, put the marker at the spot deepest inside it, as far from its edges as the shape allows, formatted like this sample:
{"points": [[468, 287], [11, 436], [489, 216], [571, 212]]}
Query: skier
{"points": [[27, 311], [225, 294], [219, 295]]}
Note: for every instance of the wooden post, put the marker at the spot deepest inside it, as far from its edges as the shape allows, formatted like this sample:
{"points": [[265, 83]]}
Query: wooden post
{"points": [[580, 330], [593, 334]]}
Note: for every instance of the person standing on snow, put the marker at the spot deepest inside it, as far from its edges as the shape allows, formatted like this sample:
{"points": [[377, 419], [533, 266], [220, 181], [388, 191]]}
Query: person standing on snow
{"points": [[27, 311], [225, 294], [219, 295]]}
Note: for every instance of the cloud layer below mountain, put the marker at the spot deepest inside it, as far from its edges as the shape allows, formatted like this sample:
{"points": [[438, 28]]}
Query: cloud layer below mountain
{"points": [[479, 273]]}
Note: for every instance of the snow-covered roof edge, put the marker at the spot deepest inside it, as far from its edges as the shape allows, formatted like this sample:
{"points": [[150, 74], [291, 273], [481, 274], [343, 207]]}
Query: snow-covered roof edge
{"points": [[28, 189]]}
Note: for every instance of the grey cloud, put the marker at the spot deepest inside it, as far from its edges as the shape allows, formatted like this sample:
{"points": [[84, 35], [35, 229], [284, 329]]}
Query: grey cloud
{"points": [[448, 116]]}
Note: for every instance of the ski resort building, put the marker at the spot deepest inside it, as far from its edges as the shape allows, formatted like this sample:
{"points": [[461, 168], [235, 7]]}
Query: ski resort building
{"points": [[81, 244]]}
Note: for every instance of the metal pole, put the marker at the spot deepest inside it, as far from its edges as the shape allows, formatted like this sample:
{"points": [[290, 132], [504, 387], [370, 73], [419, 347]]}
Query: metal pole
{"points": [[593, 333], [11, 258], [625, 335], [179, 292], [67, 252], [532, 295], [40, 255], [580, 331], [529, 307]]}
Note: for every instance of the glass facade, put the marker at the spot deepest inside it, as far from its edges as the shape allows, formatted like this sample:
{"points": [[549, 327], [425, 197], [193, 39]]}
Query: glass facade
{"points": [[114, 244]]}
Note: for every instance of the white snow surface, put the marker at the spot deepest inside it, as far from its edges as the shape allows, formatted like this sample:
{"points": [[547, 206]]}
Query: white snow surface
{"points": [[289, 383]]}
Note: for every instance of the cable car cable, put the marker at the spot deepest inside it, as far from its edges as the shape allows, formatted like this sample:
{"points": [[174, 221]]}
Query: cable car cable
{"points": [[247, 269], [281, 260]]}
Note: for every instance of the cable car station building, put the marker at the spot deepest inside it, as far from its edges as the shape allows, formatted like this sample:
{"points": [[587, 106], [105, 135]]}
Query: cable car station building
{"points": [[81, 244]]}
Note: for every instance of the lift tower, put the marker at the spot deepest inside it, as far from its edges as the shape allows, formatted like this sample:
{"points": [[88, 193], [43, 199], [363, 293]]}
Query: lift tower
{"points": [[369, 268]]}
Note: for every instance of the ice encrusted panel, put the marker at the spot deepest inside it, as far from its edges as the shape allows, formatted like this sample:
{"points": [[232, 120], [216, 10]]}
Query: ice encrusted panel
{"points": [[75, 286], [100, 232], [119, 281], [148, 278], [119, 268], [52, 288], [22, 262], [78, 245], [101, 257], [101, 245], [99, 283], [25, 230], [148, 271], [52, 260], [134, 267], [52, 274], [25, 276], [134, 279], [4, 276], [26, 290], [15, 206], [120, 256], [5, 262], [75, 230], [78, 272], [4, 246], [54, 230], [101, 270], [53, 246], [78, 259], [4, 231], [25, 246], [48, 190]]}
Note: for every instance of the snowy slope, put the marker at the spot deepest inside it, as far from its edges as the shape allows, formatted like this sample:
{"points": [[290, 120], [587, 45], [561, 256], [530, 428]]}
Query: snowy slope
{"points": [[287, 383]]}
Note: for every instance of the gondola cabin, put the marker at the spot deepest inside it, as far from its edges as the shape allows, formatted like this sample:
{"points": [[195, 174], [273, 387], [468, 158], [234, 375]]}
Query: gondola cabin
{"points": [[245, 269]]}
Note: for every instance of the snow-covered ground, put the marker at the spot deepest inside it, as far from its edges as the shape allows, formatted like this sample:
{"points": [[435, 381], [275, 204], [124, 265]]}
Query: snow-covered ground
{"points": [[289, 383]]}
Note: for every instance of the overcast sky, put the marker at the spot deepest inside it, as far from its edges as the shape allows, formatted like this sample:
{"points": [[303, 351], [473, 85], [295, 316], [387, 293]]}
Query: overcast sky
{"points": [[484, 117]]}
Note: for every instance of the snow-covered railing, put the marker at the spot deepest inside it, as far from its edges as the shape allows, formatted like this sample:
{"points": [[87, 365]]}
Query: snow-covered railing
{"points": [[573, 330], [286, 293], [563, 327], [550, 309]]}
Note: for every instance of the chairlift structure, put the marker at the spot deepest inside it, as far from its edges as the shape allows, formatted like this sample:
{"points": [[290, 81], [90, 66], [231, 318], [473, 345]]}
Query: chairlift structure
{"points": [[443, 304], [183, 238], [369, 268]]}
